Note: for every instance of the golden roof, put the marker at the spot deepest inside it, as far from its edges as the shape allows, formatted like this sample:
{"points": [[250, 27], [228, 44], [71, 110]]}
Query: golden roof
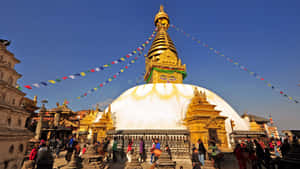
{"points": [[161, 14], [162, 40]]}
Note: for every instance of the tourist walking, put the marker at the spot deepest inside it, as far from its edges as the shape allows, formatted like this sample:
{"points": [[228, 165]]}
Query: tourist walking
{"points": [[214, 152], [115, 149], [44, 159], [142, 150], [58, 147], [168, 150], [259, 154], [239, 157], [201, 152], [157, 148], [195, 159], [285, 148], [129, 150], [152, 151]]}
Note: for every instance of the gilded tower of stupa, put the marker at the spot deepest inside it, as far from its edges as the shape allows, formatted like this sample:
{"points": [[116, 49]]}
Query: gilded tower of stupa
{"points": [[162, 62]]}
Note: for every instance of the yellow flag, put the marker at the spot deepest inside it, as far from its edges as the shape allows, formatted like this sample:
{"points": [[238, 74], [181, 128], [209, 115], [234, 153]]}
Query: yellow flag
{"points": [[290, 98], [211, 48], [122, 59], [82, 74], [236, 63], [110, 79], [132, 61], [134, 51], [95, 88], [122, 70], [269, 85], [78, 97], [105, 65], [143, 45], [251, 73], [222, 55], [51, 81]]}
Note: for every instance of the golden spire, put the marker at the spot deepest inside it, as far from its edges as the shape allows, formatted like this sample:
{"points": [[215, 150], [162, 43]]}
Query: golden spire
{"points": [[163, 55]]}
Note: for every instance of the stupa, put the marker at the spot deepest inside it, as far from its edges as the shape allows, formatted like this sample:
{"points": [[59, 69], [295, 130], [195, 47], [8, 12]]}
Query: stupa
{"points": [[177, 114]]}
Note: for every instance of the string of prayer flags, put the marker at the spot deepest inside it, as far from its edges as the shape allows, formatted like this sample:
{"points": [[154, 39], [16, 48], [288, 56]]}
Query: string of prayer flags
{"points": [[239, 65], [97, 69], [110, 79]]}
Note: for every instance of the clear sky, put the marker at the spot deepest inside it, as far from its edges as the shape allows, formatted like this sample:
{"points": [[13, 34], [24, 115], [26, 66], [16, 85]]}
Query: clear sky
{"points": [[60, 37]]}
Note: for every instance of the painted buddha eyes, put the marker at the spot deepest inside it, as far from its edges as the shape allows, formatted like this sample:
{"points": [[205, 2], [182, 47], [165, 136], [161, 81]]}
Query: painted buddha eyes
{"points": [[171, 78]]}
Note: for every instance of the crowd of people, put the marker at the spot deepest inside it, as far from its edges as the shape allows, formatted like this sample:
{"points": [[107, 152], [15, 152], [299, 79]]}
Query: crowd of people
{"points": [[259, 154]]}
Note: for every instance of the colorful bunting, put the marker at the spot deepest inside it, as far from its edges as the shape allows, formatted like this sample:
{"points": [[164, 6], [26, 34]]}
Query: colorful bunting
{"points": [[111, 78], [97, 69], [235, 63]]}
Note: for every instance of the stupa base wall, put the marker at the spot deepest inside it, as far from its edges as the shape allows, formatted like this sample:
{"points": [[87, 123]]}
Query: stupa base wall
{"points": [[177, 140]]}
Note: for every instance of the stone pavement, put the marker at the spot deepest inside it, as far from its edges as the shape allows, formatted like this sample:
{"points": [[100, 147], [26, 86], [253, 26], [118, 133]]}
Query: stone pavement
{"points": [[229, 162]]}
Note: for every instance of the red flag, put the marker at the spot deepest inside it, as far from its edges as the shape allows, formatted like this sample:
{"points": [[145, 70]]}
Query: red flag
{"points": [[85, 94], [28, 87], [101, 85], [281, 92], [127, 56], [135, 58], [126, 67], [113, 62], [92, 70], [65, 78], [262, 79], [115, 76]]}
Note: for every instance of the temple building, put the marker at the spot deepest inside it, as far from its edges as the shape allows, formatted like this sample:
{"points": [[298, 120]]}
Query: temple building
{"points": [[15, 111], [177, 114]]}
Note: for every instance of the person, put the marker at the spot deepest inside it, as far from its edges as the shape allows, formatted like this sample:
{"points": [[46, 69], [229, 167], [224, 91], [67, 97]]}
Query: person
{"points": [[195, 159], [44, 159], [110, 144], [142, 150], [152, 150], [83, 151], [259, 154], [58, 147], [32, 158], [71, 141], [201, 152], [115, 149], [69, 152], [129, 150], [267, 158], [168, 150], [285, 148], [157, 147], [214, 153], [238, 155]]}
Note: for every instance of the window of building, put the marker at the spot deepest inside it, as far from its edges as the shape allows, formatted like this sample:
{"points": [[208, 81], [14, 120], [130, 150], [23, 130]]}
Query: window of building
{"points": [[21, 148], [13, 101], [19, 122], [11, 149], [10, 80], [1, 75], [9, 121]]}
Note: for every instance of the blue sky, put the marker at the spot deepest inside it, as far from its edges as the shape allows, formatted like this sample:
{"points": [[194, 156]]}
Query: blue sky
{"points": [[57, 38]]}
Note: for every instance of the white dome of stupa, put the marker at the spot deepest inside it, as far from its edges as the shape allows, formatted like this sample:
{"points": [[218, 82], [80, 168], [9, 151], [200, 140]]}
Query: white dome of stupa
{"points": [[163, 106]]}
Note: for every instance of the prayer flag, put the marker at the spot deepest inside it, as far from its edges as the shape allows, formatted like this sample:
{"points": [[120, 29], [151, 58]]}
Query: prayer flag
{"points": [[64, 78], [82, 74], [44, 83], [115, 76], [97, 69], [36, 85], [28, 87], [72, 76], [122, 59], [92, 70], [52, 81]]}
